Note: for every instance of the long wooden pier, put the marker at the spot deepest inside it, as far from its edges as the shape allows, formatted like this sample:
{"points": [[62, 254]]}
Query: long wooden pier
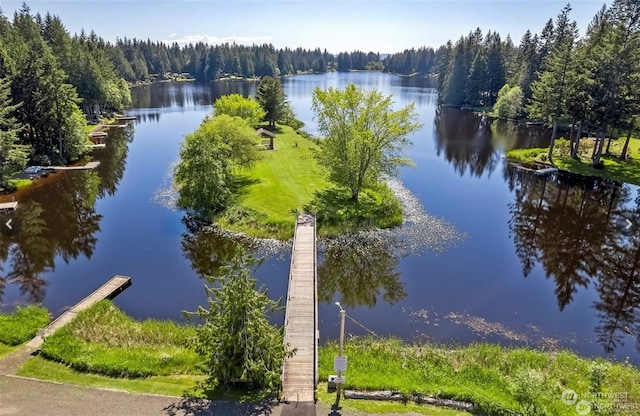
{"points": [[300, 372], [109, 290]]}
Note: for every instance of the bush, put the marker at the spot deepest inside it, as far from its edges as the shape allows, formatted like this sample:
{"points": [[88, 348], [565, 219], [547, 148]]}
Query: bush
{"points": [[23, 324]]}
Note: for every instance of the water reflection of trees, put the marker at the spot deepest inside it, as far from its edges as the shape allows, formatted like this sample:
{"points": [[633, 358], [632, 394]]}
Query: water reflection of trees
{"points": [[576, 229], [465, 140], [58, 219], [206, 249], [192, 94], [360, 268]]}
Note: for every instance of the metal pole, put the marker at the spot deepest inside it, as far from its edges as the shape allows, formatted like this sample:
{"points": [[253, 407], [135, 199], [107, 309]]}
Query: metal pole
{"points": [[340, 349]]}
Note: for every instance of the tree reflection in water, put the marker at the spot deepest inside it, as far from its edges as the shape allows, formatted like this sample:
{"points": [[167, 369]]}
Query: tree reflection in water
{"points": [[577, 229], [360, 267], [58, 219]]}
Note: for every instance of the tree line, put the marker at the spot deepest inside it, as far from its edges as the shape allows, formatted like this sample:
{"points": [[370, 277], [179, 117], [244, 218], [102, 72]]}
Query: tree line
{"points": [[590, 82], [47, 79]]}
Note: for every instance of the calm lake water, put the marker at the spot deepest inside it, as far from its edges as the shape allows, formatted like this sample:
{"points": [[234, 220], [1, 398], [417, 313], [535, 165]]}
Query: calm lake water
{"points": [[547, 262]]}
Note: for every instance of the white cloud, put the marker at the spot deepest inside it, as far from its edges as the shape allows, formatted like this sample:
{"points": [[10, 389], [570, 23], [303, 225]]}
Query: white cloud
{"points": [[215, 40]]}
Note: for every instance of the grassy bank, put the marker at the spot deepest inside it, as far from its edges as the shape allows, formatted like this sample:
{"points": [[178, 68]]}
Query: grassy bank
{"points": [[289, 179], [614, 168], [22, 324], [105, 341], [497, 380]]}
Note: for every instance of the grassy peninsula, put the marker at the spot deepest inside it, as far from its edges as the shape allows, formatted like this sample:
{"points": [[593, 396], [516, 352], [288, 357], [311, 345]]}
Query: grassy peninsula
{"points": [[289, 179], [622, 170]]}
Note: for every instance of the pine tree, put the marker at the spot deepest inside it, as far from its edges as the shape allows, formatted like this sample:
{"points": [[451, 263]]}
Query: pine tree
{"points": [[549, 92], [11, 152]]}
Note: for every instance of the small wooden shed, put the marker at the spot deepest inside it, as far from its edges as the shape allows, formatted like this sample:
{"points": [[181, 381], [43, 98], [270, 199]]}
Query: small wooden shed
{"points": [[266, 134]]}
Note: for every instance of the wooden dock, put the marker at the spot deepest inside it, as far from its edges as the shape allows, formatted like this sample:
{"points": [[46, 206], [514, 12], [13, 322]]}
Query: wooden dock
{"points": [[546, 171], [127, 118], [8, 206], [300, 372], [109, 290], [90, 165]]}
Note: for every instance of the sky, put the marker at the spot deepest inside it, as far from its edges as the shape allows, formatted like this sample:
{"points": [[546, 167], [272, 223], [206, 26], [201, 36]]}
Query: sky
{"points": [[383, 26]]}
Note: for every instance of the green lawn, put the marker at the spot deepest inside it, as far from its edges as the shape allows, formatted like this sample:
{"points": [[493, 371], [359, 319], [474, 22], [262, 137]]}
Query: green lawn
{"points": [[174, 385], [289, 179], [614, 168], [6, 349], [281, 182]]}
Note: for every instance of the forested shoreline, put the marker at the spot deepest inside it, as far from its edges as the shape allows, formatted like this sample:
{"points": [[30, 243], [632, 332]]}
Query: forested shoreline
{"points": [[49, 78]]}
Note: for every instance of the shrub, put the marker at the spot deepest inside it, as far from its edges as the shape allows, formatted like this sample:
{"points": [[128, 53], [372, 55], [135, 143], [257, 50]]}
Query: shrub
{"points": [[23, 324]]}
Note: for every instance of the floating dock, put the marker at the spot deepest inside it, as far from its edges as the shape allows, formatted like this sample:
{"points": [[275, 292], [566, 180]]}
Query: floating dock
{"points": [[127, 118], [109, 290], [90, 165], [98, 134], [99, 146], [8, 206], [300, 372]]}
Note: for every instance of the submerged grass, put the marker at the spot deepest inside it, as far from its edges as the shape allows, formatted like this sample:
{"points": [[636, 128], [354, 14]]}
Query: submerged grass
{"points": [[104, 340], [22, 324], [497, 380]]}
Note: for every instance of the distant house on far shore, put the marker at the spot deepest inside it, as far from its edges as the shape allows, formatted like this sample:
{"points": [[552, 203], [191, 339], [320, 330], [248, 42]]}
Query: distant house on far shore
{"points": [[266, 134]]}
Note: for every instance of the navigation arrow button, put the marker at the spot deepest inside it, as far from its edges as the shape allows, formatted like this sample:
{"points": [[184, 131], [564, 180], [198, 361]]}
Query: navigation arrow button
{"points": [[9, 224]]}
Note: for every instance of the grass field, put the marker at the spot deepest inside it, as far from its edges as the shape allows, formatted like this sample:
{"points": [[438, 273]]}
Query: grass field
{"points": [[281, 182], [289, 179], [614, 168]]}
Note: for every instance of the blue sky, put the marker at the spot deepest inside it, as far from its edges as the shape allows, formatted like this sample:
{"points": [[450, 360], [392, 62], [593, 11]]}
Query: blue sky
{"points": [[383, 26]]}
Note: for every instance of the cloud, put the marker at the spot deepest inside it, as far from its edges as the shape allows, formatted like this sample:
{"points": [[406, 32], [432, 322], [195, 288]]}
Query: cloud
{"points": [[215, 40]]}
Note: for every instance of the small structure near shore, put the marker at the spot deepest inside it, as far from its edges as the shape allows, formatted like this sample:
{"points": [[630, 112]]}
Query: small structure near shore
{"points": [[269, 136], [8, 206]]}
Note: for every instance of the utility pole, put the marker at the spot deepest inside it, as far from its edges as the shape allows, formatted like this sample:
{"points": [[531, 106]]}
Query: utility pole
{"points": [[340, 364]]}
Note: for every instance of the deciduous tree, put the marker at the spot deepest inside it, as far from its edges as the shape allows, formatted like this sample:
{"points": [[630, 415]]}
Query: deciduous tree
{"points": [[205, 173], [364, 137], [239, 106]]}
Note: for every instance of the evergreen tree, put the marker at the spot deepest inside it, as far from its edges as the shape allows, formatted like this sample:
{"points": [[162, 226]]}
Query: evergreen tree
{"points": [[236, 339], [12, 153], [271, 97], [549, 92]]}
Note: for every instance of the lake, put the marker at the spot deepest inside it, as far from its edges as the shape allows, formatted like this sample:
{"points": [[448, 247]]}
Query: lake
{"points": [[546, 262]]}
